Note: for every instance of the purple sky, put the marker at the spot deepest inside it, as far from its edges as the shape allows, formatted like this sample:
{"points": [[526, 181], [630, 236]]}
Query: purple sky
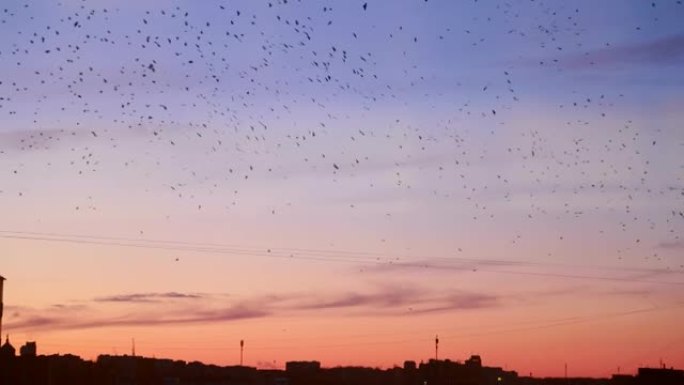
{"points": [[512, 169]]}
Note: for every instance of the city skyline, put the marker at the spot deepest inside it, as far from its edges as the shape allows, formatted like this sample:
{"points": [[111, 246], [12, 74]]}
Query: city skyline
{"points": [[27, 354], [346, 179]]}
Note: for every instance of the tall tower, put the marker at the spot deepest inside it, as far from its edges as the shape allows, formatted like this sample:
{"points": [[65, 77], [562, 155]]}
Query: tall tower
{"points": [[2, 281], [242, 350], [436, 348]]}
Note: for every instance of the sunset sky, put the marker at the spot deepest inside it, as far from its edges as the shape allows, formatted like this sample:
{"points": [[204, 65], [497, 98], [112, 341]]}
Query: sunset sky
{"points": [[344, 180]]}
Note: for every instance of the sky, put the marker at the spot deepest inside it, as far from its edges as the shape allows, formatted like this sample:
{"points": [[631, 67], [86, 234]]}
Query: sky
{"points": [[345, 180]]}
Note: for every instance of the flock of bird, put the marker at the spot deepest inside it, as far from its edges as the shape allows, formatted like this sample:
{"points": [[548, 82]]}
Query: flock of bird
{"points": [[224, 93]]}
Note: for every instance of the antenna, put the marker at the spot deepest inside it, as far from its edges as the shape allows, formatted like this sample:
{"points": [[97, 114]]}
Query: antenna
{"points": [[436, 347], [242, 349], [133, 347]]}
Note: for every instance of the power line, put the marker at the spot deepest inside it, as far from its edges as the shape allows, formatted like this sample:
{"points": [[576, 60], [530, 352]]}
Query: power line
{"points": [[351, 254], [354, 257]]}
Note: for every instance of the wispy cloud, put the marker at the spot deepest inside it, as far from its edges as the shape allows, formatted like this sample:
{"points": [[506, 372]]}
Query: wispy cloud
{"points": [[625, 274], [61, 321], [460, 301], [174, 308], [393, 300], [149, 297], [387, 297], [663, 51], [446, 264], [672, 245]]}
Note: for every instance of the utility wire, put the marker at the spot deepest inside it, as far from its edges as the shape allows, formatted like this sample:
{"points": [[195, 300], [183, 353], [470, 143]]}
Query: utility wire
{"points": [[353, 257]]}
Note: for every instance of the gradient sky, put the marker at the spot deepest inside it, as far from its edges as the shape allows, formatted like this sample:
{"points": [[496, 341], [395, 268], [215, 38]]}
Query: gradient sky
{"points": [[340, 182]]}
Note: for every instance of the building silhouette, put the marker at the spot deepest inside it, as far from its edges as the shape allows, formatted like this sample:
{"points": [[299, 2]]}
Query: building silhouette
{"points": [[28, 350], [660, 376], [7, 351]]}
